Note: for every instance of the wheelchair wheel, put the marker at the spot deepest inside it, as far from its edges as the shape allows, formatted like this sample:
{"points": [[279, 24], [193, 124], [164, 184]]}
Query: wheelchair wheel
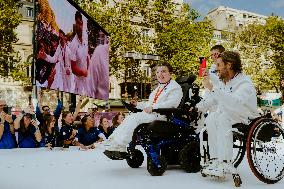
{"points": [[265, 150], [136, 159], [189, 157], [239, 149], [155, 170]]}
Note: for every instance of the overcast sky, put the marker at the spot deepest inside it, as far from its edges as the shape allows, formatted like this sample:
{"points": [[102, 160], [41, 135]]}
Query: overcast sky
{"points": [[264, 7]]}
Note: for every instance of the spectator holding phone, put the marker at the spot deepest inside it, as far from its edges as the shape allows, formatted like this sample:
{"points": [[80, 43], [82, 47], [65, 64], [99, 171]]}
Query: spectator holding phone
{"points": [[7, 139], [49, 137], [42, 111], [29, 135]]}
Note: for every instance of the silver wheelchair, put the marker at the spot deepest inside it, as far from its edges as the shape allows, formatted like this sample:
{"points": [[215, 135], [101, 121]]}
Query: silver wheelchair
{"points": [[262, 141]]}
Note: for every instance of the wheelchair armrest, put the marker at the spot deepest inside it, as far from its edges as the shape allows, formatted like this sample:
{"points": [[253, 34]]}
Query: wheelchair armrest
{"points": [[168, 111], [130, 107]]}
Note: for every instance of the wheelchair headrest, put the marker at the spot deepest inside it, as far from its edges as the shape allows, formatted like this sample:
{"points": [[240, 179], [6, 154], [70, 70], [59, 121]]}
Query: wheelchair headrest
{"points": [[186, 79]]}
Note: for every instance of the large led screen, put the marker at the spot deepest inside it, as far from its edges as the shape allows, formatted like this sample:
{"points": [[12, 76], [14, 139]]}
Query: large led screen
{"points": [[72, 53]]}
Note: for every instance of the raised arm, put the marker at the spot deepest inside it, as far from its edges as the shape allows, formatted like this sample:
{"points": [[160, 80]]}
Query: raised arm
{"points": [[39, 110], [1, 129], [17, 121], [58, 109], [37, 133], [53, 59], [78, 106]]}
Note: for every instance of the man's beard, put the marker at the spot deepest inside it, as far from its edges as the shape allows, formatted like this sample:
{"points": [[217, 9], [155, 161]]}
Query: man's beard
{"points": [[224, 76]]}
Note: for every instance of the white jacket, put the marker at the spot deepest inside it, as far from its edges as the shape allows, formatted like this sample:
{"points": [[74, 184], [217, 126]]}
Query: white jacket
{"points": [[237, 97], [170, 97]]}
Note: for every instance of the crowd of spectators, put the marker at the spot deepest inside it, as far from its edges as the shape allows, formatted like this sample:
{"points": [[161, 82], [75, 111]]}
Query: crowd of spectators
{"points": [[41, 127]]}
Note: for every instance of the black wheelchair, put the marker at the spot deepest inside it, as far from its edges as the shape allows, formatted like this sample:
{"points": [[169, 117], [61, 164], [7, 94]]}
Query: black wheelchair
{"points": [[171, 142]]}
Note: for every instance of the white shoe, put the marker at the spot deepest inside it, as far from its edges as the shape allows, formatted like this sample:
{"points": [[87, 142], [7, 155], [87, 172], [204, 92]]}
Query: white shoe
{"points": [[116, 148], [211, 163], [106, 143], [277, 139], [215, 169]]}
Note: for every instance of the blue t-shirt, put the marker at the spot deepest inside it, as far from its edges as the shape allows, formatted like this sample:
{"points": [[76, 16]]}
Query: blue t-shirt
{"points": [[7, 141], [66, 132], [49, 139], [27, 139], [88, 137]]}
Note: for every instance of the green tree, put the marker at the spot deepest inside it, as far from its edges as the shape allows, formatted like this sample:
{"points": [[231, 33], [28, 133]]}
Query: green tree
{"points": [[260, 47], [275, 31], [182, 41], [9, 20], [174, 33]]}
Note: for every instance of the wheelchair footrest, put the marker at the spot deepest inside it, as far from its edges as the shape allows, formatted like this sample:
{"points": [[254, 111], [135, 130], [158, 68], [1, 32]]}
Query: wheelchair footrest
{"points": [[115, 155]]}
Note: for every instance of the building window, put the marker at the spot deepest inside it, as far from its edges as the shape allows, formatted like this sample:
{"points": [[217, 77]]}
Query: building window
{"points": [[244, 15], [129, 73], [30, 12]]}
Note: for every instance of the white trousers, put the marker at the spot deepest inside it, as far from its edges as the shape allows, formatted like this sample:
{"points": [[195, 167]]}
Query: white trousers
{"points": [[122, 135], [219, 138]]}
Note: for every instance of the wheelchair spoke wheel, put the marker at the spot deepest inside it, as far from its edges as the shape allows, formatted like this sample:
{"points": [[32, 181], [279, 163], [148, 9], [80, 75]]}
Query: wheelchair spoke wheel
{"points": [[265, 150], [157, 168], [136, 159], [239, 149]]}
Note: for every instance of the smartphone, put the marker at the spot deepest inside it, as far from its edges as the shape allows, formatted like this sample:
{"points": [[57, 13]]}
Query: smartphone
{"points": [[7, 110], [33, 116], [202, 66]]}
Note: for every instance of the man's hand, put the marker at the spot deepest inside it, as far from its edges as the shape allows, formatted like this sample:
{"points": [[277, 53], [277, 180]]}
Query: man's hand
{"points": [[148, 110], [206, 81], [133, 102]]}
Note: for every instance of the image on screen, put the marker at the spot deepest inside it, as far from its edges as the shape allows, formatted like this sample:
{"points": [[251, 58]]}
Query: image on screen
{"points": [[72, 53]]}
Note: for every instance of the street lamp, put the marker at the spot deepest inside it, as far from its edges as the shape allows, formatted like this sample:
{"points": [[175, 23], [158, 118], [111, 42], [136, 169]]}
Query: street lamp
{"points": [[137, 57]]}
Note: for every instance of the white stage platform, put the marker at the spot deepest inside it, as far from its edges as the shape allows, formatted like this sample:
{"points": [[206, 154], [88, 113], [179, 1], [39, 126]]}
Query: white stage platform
{"points": [[75, 169]]}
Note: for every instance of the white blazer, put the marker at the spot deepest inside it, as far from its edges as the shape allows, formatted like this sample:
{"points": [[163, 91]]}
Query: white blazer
{"points": [[170, 97]]}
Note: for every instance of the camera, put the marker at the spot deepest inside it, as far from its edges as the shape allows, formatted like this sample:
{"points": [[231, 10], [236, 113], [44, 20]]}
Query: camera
{"points": [[7, 110]]}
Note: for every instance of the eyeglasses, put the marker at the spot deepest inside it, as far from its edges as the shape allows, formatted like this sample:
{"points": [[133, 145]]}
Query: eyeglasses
{"points": [[46, 110]]}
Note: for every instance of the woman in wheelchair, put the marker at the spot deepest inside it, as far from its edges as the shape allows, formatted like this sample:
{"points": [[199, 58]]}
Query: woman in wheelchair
{"points": [[236, 102], [168, 94]]}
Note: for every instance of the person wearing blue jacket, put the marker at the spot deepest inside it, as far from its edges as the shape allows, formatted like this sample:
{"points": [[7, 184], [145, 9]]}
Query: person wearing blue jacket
{"points": [[42, 111], [88, 134], [7, 139], [29, 135]]}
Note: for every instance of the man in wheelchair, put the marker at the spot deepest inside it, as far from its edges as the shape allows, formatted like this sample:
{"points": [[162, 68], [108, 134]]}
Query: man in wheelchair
{"points": [[236, 102], [168, 94]]}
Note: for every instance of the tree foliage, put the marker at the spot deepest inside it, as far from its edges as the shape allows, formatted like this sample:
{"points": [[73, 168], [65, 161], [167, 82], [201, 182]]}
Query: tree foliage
{"points": [[9, 20], [174, 33], [261, 47]]}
